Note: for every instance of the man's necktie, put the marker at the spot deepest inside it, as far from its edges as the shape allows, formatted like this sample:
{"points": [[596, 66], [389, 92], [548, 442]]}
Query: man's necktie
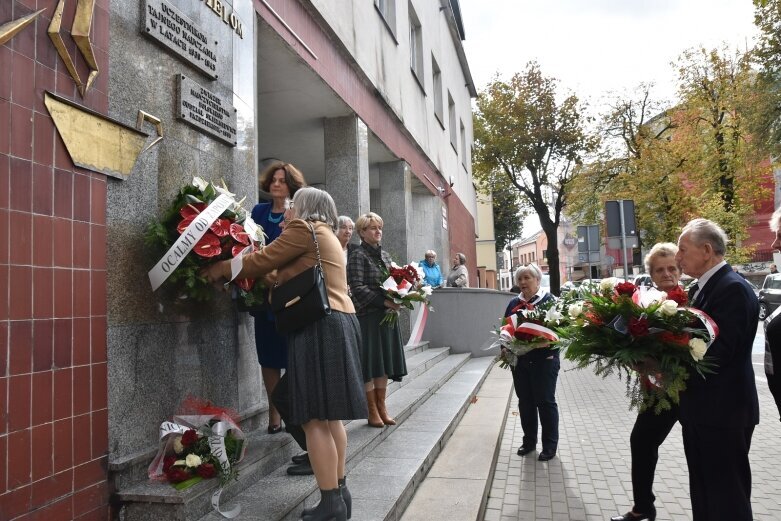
{"points": [[693, 292]]}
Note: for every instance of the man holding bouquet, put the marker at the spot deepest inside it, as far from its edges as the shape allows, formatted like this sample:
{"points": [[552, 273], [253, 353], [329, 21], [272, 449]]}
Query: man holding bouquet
{"points": [[718, 413]]}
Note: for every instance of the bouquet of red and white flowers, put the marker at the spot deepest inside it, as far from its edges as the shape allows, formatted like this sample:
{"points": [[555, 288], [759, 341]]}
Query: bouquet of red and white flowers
{"points": [[645, 333], [529, 327], [404, 286], [201, 442], [203, 225]]}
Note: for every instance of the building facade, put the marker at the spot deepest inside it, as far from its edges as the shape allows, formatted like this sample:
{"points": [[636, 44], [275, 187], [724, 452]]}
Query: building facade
{"points": [[371, 100]]}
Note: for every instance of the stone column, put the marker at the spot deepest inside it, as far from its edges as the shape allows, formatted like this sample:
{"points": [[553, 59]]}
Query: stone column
{"points": [[347, 164], [396, 195]]}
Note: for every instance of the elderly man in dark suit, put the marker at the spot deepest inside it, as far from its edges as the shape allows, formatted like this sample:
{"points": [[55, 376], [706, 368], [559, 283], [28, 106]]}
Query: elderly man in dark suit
{"points": [[718, 413]]}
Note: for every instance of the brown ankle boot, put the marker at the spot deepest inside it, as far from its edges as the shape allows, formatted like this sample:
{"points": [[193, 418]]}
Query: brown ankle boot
{"points": [[374, 416], [386, 419]]}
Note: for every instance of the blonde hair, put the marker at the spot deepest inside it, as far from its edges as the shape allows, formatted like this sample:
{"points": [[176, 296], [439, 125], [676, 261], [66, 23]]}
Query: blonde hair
{"points": [[660, 249], [366, 220]]}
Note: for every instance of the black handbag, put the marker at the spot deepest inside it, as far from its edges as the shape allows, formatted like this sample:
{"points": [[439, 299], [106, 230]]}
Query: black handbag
{"points": [[302, 299]]}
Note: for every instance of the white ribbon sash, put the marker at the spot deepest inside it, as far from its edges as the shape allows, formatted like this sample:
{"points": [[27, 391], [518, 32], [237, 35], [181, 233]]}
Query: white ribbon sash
{"points": [[710, 325], [187, 240]]}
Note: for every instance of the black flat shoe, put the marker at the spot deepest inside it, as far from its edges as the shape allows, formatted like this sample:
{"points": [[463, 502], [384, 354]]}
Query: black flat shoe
{"points": [[546, 455], [632, 516], [301, 469], [300, 458], [274, 429], [524, 450]]}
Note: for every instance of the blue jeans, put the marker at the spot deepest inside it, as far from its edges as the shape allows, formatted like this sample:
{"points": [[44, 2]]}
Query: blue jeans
{"points": [[535, 386]]}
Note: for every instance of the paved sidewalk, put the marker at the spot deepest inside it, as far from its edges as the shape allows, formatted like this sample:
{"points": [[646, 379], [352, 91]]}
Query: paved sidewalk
{"points": [[590, 477]]}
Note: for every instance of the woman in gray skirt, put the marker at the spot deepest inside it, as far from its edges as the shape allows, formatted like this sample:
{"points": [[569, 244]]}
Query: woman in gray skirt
{"points": [[324, 367], [382, 352]]}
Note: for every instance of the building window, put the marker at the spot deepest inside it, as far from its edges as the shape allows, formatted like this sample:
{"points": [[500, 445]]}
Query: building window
{"points": [[415, 45], [451, 111], [463, 145], [436, 75], [387, 10]]}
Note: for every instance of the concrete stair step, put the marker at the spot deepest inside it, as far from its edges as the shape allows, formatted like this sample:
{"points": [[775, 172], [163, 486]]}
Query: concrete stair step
{"points": [[152, 500], [413, 349], [278, 496]]}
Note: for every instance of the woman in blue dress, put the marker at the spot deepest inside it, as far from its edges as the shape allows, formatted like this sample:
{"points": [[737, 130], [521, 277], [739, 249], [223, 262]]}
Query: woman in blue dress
{"points": [[281, 181]]}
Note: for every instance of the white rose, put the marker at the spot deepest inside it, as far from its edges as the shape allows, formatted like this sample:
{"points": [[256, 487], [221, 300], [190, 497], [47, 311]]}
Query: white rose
{"points": [[608, 284], [698, 348], [178, 447], [575, 310], [200, 183], [193, 460], [426, 290], [668, 308]]}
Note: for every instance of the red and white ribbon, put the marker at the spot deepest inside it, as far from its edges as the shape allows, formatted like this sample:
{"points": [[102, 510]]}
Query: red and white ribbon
{"points": [[507, 332], [710, 325]]}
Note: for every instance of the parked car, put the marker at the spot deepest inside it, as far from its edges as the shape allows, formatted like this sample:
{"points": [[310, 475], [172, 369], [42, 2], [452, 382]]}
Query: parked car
{"points": [[568, 286], [769, 295], [643, 280]]}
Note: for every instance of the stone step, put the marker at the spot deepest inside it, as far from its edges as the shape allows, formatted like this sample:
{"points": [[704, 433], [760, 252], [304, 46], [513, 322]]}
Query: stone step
{"points": [[265, 454], [413, 349], [278, 496]]}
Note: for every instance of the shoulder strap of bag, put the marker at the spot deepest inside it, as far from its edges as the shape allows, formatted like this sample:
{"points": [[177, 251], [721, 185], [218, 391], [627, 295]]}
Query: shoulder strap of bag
{"points": [[317, 247]]}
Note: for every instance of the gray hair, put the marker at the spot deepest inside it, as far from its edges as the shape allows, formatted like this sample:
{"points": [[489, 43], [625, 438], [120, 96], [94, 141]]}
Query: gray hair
{"points": [[430, 252], [343, 220], [461, 258], [313, 204], [775, 221], [703, 230], [529, 268], [660, 249]]}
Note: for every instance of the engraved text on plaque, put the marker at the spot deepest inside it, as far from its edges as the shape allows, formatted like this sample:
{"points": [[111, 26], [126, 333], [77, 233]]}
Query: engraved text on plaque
{"points": [[206, 111]]}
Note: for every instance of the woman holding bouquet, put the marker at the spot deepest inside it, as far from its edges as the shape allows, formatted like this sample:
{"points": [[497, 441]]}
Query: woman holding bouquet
{"points": [[382, 352], [535, 373], [324, 365], [651, 429], [281, 180]]}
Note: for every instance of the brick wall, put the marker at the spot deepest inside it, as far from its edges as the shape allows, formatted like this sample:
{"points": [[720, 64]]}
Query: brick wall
{"points": [[53, 381]]}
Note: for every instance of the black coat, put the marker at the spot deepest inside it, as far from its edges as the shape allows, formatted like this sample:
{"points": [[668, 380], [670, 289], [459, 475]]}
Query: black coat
{"points": [[728, 397]]}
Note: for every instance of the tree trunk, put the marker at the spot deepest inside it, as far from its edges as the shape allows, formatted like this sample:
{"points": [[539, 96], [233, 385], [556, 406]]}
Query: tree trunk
{"points": [[551, 233]]}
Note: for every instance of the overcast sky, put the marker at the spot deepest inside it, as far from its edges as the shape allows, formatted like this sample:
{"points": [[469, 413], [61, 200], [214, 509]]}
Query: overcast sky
{"points": [[595, 47]]}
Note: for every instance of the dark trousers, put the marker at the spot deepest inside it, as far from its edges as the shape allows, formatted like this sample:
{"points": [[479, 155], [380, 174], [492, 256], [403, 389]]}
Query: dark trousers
{"points": [[535, 386], [281, 400], [719, 472], [774, 382], [648, 434]]}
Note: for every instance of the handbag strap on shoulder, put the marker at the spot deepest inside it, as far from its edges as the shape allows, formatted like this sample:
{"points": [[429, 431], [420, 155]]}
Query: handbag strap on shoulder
{"points": [[317, 247]]}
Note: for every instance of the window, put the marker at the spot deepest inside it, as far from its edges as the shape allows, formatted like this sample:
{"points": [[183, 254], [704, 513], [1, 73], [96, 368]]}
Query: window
{"points": [[451, 111], [387, 10], [436, 74], [415, 45], [463, 145]]}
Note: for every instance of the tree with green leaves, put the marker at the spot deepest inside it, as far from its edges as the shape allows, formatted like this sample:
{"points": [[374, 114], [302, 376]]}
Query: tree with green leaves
{"points": [[530, 138], [767, 53]]}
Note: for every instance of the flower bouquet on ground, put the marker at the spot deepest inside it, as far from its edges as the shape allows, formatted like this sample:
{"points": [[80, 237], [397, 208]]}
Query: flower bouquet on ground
{"points": [[404, 286], [204, 224], [201, 442], [644, 333], [529, 327]]}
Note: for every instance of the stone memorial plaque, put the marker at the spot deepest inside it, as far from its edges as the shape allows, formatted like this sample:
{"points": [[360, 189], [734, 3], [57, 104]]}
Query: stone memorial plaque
{"points": [[206, 111], [167, 25]]}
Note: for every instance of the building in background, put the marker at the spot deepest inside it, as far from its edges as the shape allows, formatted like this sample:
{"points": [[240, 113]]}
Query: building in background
{"points": [[487, 272]]}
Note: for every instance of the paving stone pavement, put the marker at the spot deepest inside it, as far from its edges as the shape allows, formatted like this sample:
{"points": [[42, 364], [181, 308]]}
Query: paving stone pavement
{"points": [[589, 479]]}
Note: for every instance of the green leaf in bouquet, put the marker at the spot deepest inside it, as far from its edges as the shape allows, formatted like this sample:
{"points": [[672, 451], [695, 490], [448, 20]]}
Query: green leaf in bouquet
{"points": [[182, 485], [193, 199]]}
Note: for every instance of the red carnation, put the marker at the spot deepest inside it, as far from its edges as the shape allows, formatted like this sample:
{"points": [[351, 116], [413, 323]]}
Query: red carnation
{"points": [[593, 318], [681, 339], [625, 288], [189, 437], [208, 246], [206, 470], [238, 233], [177, 475], [678, 295], [638, 326]]}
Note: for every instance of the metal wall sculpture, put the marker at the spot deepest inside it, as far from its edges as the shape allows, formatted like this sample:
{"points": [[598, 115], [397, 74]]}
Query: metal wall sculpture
{"points": [[10, 29], [82, 24]]}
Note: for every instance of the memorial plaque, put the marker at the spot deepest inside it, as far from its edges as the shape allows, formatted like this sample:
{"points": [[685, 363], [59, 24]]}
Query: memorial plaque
{"points": [[206, 111], [167, 25]]}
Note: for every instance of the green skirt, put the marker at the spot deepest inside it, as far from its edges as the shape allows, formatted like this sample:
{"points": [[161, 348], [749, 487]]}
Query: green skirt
{"points": [[382, 352]]}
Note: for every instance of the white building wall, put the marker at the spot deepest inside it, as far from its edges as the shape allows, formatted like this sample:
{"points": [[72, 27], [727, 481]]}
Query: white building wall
{"points": [[385, 60]]}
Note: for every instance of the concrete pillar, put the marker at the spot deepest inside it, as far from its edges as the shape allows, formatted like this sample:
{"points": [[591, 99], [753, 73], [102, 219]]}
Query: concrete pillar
{"points": [[347, 164], [396, 195]]}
